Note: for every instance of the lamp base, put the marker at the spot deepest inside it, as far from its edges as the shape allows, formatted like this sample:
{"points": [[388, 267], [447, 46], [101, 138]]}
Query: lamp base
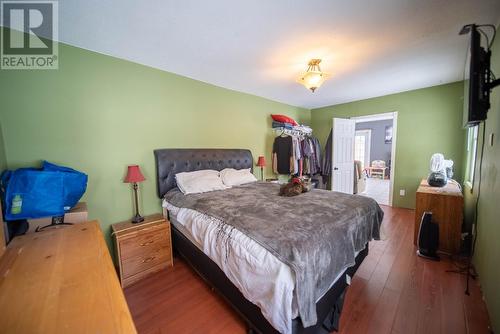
{"points": [[137, 219]]}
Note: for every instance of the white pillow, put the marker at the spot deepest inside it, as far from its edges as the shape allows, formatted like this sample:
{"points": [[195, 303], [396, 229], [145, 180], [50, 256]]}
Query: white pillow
{"points": [[199, 181], [235, 177]]}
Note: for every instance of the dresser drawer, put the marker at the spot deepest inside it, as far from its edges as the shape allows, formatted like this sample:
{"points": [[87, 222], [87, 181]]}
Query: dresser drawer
{"points": [[144, 261], [143, 274], [143, 243]]}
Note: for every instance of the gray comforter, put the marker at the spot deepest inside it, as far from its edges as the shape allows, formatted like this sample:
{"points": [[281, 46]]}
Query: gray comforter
{"points": [[316, 234]]}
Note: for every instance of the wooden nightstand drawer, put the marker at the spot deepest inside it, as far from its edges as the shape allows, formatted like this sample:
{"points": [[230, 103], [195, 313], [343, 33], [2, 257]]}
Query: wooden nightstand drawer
{"points": [[144, 243], [142, 248], [145, 261], [132, 279]]}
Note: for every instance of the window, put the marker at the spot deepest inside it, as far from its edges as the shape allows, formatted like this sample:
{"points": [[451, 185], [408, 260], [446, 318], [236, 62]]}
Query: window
{"points": [[472, 133], [359, 147], [362, 140]]}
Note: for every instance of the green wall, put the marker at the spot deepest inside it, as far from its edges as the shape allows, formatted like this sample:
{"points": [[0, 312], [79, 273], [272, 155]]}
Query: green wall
{"points": [[487, 255], [3, 159], [429, 121], [98, 114]]}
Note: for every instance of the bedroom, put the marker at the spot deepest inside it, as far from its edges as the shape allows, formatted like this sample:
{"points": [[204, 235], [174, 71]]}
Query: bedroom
{"points": [[134, 78]]}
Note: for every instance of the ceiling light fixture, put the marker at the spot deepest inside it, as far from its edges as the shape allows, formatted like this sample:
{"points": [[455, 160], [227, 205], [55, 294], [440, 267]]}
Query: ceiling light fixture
{"points": [[313, 77]]}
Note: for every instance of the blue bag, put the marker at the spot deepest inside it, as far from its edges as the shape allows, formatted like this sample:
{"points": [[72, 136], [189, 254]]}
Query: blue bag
{"points": [[36, 193], [31, 193], [75, 183]]}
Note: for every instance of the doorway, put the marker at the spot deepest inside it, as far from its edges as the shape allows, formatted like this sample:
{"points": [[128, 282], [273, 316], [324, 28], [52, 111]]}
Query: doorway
{"points": [[374, 148]]}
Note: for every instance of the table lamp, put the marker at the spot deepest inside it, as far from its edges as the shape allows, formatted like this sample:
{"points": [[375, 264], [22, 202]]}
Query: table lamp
{"points": [[261, 162], [134, 175]]}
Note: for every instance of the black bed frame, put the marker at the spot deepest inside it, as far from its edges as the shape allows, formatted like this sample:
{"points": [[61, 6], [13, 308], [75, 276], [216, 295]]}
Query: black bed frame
{"points": [[172, 161]]}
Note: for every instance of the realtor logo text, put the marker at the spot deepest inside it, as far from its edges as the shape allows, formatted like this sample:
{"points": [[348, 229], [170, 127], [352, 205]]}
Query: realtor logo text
{"points": [[30, 29]]}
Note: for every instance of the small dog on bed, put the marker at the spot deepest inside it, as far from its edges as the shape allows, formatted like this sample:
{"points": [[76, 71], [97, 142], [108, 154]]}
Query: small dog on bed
{"points": [[293, 188]]}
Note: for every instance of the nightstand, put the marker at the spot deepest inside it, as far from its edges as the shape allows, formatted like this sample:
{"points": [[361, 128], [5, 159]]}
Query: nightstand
{"points": [[143, 248]]}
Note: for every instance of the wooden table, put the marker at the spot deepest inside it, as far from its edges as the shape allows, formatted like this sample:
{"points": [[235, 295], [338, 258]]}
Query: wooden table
{"points": [[380, 171], [447, 205], [61, 280]]}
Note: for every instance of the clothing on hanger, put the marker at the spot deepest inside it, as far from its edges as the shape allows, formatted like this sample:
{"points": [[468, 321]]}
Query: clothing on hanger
{"points": [[297, 156], [296, 152], [326, 167], [282, 155]]}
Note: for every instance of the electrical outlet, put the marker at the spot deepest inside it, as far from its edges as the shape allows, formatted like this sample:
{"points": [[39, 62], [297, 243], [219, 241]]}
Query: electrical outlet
{"points": [[402, 192]]}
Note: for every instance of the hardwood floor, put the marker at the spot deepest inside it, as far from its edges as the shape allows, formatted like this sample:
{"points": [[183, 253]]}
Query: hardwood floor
{"points": [[394, 291]]}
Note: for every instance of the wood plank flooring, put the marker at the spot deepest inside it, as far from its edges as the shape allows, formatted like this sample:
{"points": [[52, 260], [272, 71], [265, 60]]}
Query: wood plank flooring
{"points": [[394, 291]]}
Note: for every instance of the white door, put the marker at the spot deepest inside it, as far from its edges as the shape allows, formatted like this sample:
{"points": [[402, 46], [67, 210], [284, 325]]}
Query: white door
{"points": [[343, 155]]}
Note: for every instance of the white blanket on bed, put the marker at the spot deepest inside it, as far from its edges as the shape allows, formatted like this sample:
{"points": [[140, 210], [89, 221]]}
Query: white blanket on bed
{"points": [[259, 275]]}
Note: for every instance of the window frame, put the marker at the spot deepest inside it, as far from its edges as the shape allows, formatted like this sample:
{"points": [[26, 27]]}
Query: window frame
{"points": [[367, 133], [472, 144]]}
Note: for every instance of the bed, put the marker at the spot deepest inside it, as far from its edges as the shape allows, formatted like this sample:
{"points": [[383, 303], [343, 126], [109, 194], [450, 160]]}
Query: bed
{"points": [[327, 306]]}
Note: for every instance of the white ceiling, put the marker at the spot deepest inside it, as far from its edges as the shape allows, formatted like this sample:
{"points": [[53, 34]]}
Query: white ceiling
{"points": [[371, 48]]}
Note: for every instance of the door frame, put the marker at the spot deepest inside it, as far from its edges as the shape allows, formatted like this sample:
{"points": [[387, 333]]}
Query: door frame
{"points": [[384, 116], [368, 144]]}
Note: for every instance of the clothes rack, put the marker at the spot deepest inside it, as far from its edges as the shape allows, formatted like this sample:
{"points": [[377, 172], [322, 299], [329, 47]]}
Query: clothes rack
{"points": [[292, 156], [292, 132]]}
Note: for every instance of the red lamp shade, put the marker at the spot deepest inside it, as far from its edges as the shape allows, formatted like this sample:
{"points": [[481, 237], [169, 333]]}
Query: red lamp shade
{"points": [[261, 162], [134, 175]]}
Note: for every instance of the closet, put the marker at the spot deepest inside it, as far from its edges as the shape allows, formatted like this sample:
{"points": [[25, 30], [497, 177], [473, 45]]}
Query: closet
{"points": [[296, 152]]}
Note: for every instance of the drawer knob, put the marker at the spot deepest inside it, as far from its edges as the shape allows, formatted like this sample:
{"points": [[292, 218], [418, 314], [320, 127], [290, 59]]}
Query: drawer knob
{"points": [[148, 259], [146, 243]]}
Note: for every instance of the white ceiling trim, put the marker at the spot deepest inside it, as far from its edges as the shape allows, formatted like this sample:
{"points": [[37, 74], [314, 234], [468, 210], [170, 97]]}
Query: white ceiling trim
{"points": [[374, 117]]}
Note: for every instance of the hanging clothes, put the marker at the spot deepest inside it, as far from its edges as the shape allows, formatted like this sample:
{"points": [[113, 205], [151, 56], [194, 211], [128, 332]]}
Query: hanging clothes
{"points": [[326, 167], [307, 153], [296, 152], [316, 157], [297, 156], [283, 155], [311, 153], [312, 157]]}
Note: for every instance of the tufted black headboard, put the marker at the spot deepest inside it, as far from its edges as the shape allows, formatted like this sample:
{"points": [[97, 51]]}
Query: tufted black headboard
{"points": [[171, 161]]}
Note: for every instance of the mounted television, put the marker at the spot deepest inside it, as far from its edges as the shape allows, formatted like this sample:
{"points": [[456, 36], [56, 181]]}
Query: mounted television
{"points": [[476, 78]]}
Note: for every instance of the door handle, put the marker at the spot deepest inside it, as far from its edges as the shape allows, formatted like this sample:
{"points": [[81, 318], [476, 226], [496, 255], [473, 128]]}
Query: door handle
{"points": [[335, 168]]}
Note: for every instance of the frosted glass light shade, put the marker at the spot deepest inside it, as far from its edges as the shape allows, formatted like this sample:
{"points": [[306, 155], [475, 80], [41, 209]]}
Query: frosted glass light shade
{"points": [[313, 77]]}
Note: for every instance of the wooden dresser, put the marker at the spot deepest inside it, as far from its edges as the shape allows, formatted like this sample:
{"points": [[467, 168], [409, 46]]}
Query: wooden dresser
{"points": [[447, 206], [143, 248], [61, 280]]}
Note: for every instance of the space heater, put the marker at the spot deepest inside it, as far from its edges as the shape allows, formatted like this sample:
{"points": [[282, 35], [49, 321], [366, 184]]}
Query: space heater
{"points": [[428, 238]]}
